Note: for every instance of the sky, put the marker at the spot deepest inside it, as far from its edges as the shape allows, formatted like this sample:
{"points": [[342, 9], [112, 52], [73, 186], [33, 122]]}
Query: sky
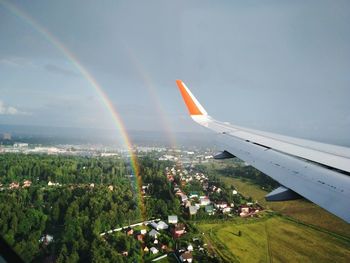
{"points": [[278, 66]]}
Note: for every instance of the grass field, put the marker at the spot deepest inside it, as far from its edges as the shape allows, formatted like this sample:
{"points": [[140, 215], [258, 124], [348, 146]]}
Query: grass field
{"points": [[274, 239], [301, 210]]}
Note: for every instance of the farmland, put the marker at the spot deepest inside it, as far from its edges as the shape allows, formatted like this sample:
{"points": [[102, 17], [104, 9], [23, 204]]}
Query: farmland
{"points": [[274, 238], [299, 210]]}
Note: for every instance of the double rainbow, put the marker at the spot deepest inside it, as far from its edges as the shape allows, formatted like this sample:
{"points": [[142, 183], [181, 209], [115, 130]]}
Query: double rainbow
{"points": [[117, 120]]}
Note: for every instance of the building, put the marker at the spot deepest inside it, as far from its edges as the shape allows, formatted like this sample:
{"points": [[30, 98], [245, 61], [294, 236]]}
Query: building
{"points": [[221, 205], [46, 239], [153, 233], [179, 230], [204, 200], [193, 210], [20, 145], [226, 210], [26, 183], [129, 231], [190, 247], [139, 237], [172, 219], [182, 196], [161, 225], [154, 250], [193, 195], [14, 185], [244, 212], [209, 209], [186, 257], [52, 184]]}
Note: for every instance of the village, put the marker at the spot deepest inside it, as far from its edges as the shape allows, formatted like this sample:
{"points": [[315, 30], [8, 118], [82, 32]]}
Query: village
{"points": [[201, 198]]}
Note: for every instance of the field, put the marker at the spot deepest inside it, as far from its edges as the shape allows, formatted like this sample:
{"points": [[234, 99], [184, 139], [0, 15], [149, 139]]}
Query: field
{"points": [[274, 239], [300, 210]]}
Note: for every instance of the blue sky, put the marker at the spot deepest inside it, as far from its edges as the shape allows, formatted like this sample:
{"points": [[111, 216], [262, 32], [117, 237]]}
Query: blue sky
{"points": [[280, 66]]}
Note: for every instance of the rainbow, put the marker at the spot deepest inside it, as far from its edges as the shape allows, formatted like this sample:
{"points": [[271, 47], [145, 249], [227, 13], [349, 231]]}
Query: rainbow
{"points": [[117, 120], [150, 86]]}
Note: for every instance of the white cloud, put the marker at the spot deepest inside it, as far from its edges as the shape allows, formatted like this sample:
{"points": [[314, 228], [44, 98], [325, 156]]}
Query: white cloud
{"points": [[10, 110]]}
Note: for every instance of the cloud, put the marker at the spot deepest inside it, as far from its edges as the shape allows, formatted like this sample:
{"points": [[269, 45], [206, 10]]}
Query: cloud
{"points": [[61, 71], [17, 62], [10, 110]]}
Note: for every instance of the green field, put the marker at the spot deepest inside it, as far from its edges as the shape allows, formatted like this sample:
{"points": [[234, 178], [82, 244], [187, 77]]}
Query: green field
{"points": [[300, 210], [274, 239]]}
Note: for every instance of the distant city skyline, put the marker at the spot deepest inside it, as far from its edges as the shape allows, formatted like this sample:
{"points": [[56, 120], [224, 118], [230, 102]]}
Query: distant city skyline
{"points": [[277, 66]]}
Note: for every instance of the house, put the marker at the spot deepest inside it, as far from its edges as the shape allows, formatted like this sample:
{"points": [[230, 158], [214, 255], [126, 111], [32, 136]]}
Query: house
{"points": [[14, 185], [162, 225], [26, 183], [170, 178], [129, 231], [155, 241], [154, 250], [183, 197], [172, 219], [186, 257], [190, 247], [179, 230], [245, 210], [110, 188], [46, 239], [52, 184], [226, 210], [125, 253], [209, 209], [221, 205], [193, 195], [146, 250], [143, 231], [204, 200], [187, 203], [192, 210], [139, 237], [153, 233], [154, 225], [234, 192]]}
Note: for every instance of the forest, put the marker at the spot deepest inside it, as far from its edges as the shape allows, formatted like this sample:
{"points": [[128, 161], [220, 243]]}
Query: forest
{"points": [[93, 196]]}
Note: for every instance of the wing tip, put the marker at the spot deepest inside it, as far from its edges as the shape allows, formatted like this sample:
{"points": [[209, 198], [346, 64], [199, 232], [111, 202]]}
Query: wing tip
{"points": [[193, 106]]}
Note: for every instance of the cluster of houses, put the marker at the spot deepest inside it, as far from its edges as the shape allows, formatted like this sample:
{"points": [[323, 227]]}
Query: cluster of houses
{"points": [[193, 201], [149, 232], [249, 210], [16, 185]]}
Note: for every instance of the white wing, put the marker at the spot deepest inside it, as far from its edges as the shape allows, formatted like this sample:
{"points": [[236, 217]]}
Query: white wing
{"points": [[317, 171]]}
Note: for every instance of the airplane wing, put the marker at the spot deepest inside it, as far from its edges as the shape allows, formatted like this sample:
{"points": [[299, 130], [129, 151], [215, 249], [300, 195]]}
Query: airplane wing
{"points": [[317, 171]]}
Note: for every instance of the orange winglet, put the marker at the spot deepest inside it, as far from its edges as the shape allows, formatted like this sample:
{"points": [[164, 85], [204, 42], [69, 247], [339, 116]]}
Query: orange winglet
{"points": [[191, 105]]}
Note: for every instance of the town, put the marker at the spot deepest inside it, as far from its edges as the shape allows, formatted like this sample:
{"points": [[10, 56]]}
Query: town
{"points": [[200, 197]]}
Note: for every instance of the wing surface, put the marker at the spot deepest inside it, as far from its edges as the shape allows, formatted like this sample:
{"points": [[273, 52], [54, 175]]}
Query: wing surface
{"points": [[317, 171]]}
